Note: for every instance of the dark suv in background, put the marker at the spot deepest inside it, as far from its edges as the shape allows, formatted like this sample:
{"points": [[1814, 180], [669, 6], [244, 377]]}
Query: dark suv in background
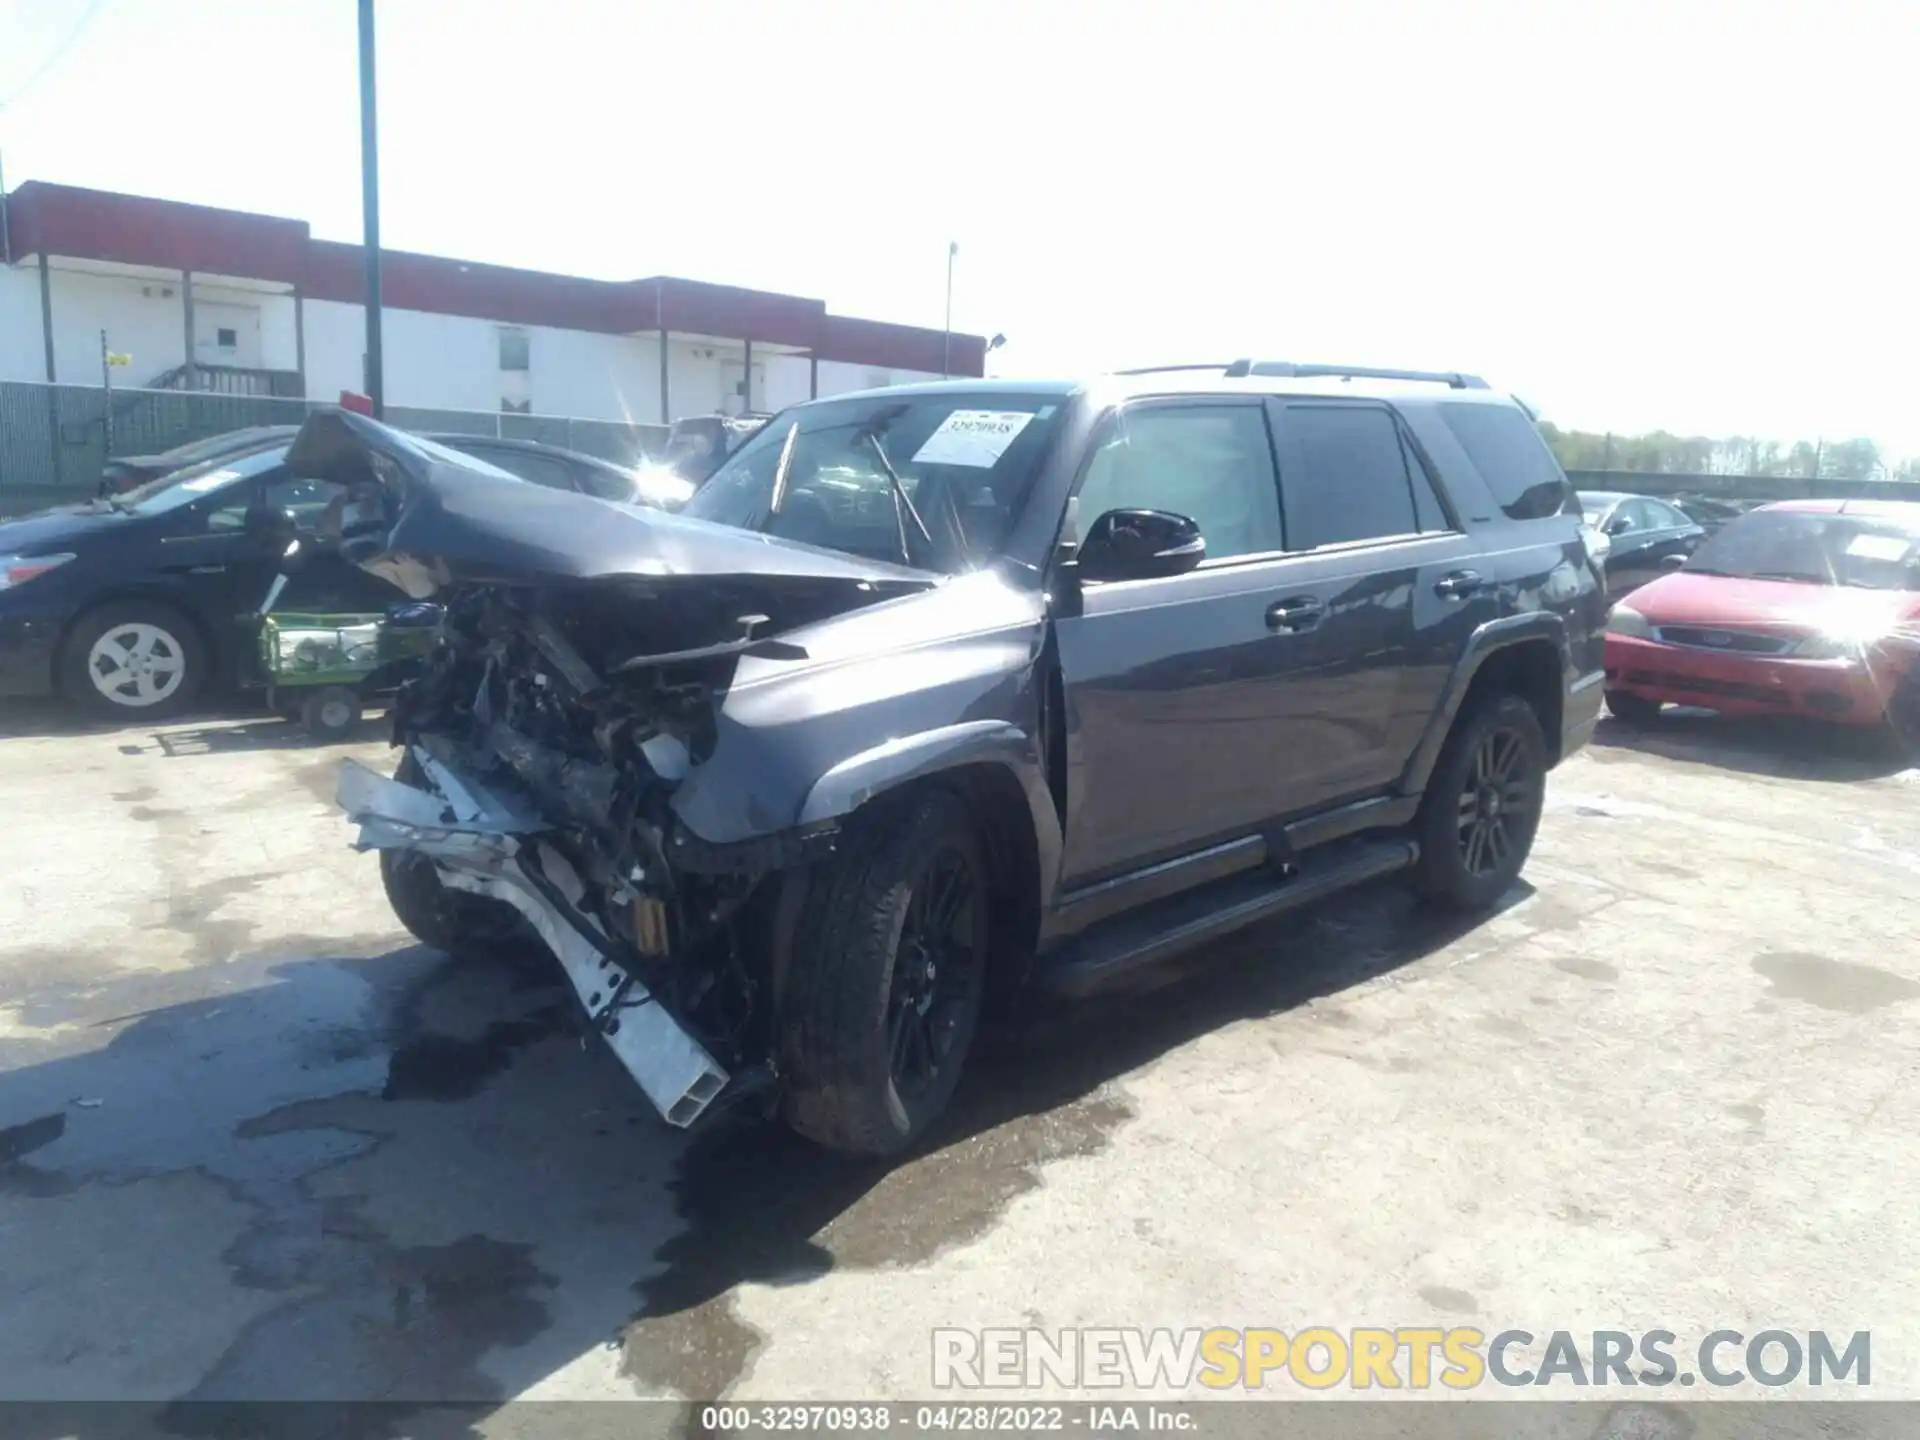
{"points": [[969, 685]]}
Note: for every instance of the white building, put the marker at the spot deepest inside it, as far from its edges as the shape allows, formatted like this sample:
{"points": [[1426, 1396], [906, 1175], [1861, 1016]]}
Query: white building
{"points": [[208, 299]]}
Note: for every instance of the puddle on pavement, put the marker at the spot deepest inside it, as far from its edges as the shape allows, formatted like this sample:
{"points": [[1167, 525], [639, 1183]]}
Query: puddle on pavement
{"points": [[1833, 984], [1450, 1300], [1587, 969], [192, 911]]}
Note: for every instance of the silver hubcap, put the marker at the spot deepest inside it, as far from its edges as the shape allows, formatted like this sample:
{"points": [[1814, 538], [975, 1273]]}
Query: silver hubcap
{"points": [[335, 714], [137, 665]]}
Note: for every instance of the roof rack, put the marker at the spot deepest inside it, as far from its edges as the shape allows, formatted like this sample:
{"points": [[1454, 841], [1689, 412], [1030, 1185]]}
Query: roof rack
{"points": [[1286, 369], [1170, 369]]}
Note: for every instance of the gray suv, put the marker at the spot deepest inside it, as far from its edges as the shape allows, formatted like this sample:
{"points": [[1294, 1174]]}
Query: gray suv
{"points": [[968, 687]]}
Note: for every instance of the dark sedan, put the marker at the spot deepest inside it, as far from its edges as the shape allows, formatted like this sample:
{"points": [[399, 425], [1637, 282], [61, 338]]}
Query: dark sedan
{"points": [[1644, 536], [134, 604]]}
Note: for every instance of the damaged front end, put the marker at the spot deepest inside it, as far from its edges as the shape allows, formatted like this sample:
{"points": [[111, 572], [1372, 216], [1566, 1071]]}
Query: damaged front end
{"points": [[575, 685]]}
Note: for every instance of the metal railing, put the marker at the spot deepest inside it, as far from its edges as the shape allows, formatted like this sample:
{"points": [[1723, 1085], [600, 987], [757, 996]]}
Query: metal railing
{"points": [[53, 438]]}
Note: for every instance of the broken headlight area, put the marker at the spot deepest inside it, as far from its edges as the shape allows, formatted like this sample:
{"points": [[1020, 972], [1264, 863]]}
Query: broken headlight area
{"points": [[543, 743]]}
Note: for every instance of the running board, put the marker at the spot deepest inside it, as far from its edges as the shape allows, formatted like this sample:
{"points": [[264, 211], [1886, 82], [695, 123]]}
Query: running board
{"points": [[1122, 947]]}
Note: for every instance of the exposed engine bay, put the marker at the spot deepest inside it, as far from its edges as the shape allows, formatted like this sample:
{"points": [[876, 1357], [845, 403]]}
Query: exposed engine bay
{"points": [[545, 738]]}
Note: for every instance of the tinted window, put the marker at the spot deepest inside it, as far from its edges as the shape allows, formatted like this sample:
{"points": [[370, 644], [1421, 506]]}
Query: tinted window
{"points": [[1511, 457], [1348, 476], [529, 465], [1211, 463]]}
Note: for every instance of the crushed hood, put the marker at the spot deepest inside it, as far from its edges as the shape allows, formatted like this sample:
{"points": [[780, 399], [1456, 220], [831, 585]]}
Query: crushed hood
{"points": [[426, 517]]}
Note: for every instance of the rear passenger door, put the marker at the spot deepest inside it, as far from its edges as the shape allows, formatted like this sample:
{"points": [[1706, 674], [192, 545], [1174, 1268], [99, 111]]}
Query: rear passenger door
{"points": [[1398, 583]]}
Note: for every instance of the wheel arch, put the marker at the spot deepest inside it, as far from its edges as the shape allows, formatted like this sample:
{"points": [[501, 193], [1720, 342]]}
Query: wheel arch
{"points": [[994, 764], [1527, 655]]}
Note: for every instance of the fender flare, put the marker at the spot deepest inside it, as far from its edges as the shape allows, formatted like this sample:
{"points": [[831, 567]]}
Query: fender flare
{"points": [[1533, 627], [860, 777]]}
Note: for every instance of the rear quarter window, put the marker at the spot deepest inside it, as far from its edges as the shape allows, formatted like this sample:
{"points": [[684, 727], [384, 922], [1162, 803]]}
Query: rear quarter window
{"points": [[1515, 462]]}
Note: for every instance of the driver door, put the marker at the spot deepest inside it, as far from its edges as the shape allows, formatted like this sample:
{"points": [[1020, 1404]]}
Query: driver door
{"points": [[1176, 687]]}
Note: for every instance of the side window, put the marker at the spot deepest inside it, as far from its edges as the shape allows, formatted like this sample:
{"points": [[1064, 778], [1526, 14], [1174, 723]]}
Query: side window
{"points": [[529, 465], [1345, 476], [1507, 450], [1665, 517], [1638, 515], [229, 509], [306, 498], [606, 484], [1211, 463]]}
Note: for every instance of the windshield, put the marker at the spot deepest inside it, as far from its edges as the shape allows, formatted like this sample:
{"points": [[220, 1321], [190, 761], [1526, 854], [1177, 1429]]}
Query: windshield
{"points": [[182, 487], [1869, 552], [963, 463]]}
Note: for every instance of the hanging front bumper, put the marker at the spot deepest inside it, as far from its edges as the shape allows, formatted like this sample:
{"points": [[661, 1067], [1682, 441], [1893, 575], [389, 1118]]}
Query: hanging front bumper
{"points": [[489, 843]]}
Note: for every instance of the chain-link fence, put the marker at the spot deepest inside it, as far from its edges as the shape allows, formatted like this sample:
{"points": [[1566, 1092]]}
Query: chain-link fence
{"points": [[55, 439]]}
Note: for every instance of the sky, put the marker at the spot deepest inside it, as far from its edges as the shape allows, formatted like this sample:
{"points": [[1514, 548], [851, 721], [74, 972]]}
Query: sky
{"points": [[1684, 215]]}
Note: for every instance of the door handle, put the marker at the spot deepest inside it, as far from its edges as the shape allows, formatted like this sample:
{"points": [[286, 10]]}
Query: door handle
{"points": [[1459, 584], [1296, 614]]}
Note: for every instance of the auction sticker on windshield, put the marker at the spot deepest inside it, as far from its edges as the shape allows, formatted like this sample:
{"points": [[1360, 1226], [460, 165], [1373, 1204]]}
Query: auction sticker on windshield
{"points": [[1868, 546], [973, 437]]}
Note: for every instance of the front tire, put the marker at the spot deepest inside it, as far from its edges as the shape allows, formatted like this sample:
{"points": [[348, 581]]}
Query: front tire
{"points": [[884, 988], [446, 919], [134, 660], [1482, 807], [1631, 709]]}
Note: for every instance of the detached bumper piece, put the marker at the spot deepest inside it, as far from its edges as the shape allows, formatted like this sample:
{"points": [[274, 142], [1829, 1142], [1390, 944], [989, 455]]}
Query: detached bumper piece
{"points": [[488, 843]]}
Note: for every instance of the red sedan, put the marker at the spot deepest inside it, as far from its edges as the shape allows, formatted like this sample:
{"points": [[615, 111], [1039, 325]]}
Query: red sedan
{"points": [[1808, 607]]}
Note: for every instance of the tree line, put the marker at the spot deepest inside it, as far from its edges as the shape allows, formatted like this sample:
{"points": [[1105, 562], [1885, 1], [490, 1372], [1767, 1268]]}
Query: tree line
{"points": [[1664, 453]]}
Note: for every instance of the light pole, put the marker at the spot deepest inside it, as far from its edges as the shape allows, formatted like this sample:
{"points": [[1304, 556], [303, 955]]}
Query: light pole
{"points": [[370, 212], [946, 336]]}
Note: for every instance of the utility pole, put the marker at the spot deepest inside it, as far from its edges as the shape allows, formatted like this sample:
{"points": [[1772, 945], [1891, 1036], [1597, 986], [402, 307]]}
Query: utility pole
{"points": [[106, 396], [946, 337], [370, 212]]}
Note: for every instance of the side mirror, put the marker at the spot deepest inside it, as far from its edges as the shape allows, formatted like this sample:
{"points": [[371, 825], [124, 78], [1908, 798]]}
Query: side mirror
{"points": [[271, 527], [1140, 545], [1673, 562]]}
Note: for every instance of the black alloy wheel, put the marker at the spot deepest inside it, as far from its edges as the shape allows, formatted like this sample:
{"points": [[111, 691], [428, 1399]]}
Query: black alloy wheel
{"points": [[936, 970], [1498, 803]]}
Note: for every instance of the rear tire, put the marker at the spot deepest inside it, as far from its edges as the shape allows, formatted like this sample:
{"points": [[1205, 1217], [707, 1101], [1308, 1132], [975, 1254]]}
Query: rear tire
{"points": [[888, 966], [134, 660], [1631, 709], [447, 919], [1482, 807]]}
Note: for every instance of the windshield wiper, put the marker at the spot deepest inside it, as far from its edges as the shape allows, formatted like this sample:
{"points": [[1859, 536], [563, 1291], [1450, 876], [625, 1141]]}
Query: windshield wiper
{"points": [[1791, 577], [870, 432], [780, 471]]}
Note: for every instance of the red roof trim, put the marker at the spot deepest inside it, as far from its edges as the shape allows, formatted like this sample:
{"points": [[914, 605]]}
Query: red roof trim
{"points": [[63, 220]]}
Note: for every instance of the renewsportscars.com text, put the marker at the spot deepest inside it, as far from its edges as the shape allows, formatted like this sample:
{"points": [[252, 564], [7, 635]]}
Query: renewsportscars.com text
{"points": [[1402, 1357]]}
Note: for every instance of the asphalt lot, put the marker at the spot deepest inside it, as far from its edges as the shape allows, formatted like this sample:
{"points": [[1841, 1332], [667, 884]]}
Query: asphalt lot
{"points": [[256, 1143]]}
